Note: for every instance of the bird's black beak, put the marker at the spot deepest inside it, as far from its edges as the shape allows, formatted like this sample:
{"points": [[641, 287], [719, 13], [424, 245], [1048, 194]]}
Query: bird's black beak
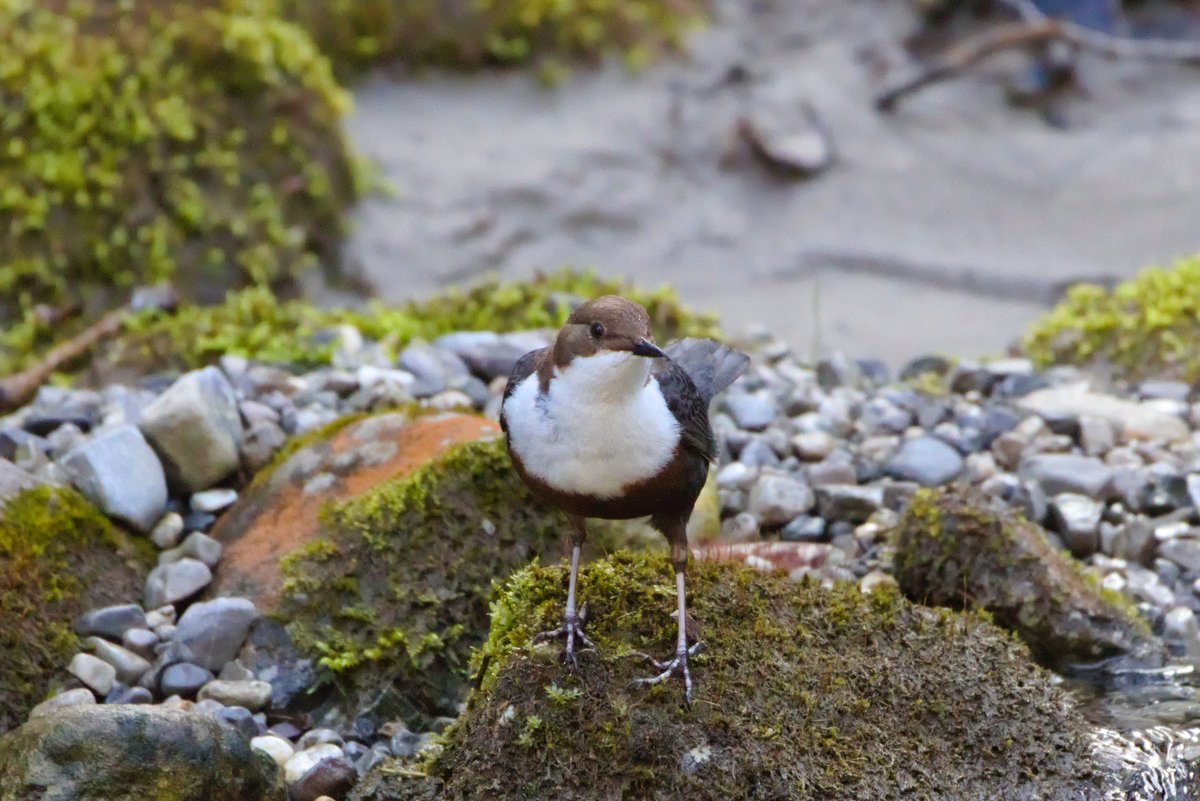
{"points": [[644, 347]]}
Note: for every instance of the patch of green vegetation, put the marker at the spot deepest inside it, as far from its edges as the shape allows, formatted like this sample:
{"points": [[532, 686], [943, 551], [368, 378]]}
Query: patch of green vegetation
{"points": [[802, 693], [255, 325], [959, 548], [153, 139], [59, 557], [1147, 326], [415, 560], [358, 33]]}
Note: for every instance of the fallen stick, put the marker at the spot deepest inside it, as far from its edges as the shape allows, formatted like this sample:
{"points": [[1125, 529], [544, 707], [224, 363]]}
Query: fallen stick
{"points": [[1032, 28], [19, 388]]}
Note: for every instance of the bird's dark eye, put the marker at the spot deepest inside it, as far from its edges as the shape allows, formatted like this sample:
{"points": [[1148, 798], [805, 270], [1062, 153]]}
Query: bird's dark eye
{"points": [[597, 330]]}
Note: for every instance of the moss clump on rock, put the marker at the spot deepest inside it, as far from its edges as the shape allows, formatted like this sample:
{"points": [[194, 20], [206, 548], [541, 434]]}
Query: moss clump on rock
{"points": [[154, 139], [396, 592], [1147, 326], [960, 548], [356, 33], [802, 693], [255, 325], [59, 557]]}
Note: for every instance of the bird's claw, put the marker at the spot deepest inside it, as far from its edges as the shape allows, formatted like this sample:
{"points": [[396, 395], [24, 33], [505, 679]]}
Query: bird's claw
{"points": [[570, 630], [677, 666]]}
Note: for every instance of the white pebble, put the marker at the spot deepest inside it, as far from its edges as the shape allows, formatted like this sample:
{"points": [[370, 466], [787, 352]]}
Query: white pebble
{"points": [[303, 761], [277, 748]]}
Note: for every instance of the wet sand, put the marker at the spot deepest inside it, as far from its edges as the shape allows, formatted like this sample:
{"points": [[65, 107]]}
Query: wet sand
{"points": [[944, 227]]}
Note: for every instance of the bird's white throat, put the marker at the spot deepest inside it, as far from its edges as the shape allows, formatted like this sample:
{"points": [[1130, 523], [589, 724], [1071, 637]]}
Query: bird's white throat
{"points": [[602, 425]]}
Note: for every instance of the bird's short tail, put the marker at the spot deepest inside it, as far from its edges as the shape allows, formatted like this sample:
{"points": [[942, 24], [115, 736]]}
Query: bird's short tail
{"points": [[711, 365]]}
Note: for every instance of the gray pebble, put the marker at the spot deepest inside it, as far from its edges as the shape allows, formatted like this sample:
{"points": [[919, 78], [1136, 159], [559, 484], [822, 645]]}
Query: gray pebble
{"points": [[177, 581], [184, 679], [94, 672], [776, 499], [110, 622], [212, 632], [927, 461]]}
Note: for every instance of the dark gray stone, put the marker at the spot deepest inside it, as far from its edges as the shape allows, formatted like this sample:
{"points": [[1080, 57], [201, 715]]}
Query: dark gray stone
{"points": [[1183, 552], [129, 695], [117, 471], [926, 460]]}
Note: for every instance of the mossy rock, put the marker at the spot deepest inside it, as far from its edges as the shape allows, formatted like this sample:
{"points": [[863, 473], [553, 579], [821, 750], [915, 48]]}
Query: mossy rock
{"points": [[356, 33], [960, 548], [133, 753], [802, 693], [395, 591], [154, 139], [1147, 326], [256, 325], [59, 557]]}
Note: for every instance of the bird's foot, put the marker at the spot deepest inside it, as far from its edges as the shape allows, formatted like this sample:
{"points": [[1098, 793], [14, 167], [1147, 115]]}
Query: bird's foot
{"points": [[678, 666], [571, 630]]}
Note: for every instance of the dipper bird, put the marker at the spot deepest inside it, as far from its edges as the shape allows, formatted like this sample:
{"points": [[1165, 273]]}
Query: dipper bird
{"points": [[604, 423]]}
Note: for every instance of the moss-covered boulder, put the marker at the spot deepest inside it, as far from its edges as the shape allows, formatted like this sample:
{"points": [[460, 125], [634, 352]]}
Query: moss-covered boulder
{"points": [[152, 139], [59, 557], [358, 32], [960, 548], [802, 693], [393, 592], [133, 753], [1147, 326]]}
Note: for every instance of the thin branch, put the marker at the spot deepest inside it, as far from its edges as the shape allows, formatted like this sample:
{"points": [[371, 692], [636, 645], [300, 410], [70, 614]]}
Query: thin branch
{"points": [[19, 388], [1033, 28]]}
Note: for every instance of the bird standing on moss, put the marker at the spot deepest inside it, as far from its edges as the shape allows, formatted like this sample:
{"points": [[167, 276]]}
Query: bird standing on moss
{"points": [[604, 423]]}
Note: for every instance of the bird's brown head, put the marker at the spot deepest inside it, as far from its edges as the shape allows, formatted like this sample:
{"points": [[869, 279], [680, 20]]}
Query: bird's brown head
{"points": [[607, 324]]}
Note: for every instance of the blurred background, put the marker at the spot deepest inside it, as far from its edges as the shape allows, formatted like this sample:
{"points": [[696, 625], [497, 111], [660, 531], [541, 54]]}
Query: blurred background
{"points": [[884, 179]]}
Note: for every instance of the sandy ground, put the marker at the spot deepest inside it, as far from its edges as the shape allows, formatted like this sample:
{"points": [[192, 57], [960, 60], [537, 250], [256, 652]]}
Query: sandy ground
{"points": [[944, 227]]}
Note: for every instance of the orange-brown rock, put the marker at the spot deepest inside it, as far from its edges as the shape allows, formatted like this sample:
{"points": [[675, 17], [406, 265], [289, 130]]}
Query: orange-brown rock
{"points": [[280, 513]]}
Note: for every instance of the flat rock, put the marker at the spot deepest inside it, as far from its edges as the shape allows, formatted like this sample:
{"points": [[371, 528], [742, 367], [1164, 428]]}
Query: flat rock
{"points": [[117, 471], [276, 515], [253, 694], [926, 460], [126, 752], [196, 428], [174, 582], [210, 634], [184, 679], [111, 621], [1055, 473], [1132, 419]]}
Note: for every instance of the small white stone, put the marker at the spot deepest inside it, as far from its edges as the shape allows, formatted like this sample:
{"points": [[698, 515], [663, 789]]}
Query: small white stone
{"points": [[1180, 625], [303, 761], [275, 747], [168, 530], [1114, 582], [213, 500]]}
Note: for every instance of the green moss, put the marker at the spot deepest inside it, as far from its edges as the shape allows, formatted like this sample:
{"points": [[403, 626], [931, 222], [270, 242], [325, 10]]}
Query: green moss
{"points": [[396, 592], [959, 548], [802, 693], [1147, 326], [59, 556], [154, 139], [356, 33], [256, 325]]}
